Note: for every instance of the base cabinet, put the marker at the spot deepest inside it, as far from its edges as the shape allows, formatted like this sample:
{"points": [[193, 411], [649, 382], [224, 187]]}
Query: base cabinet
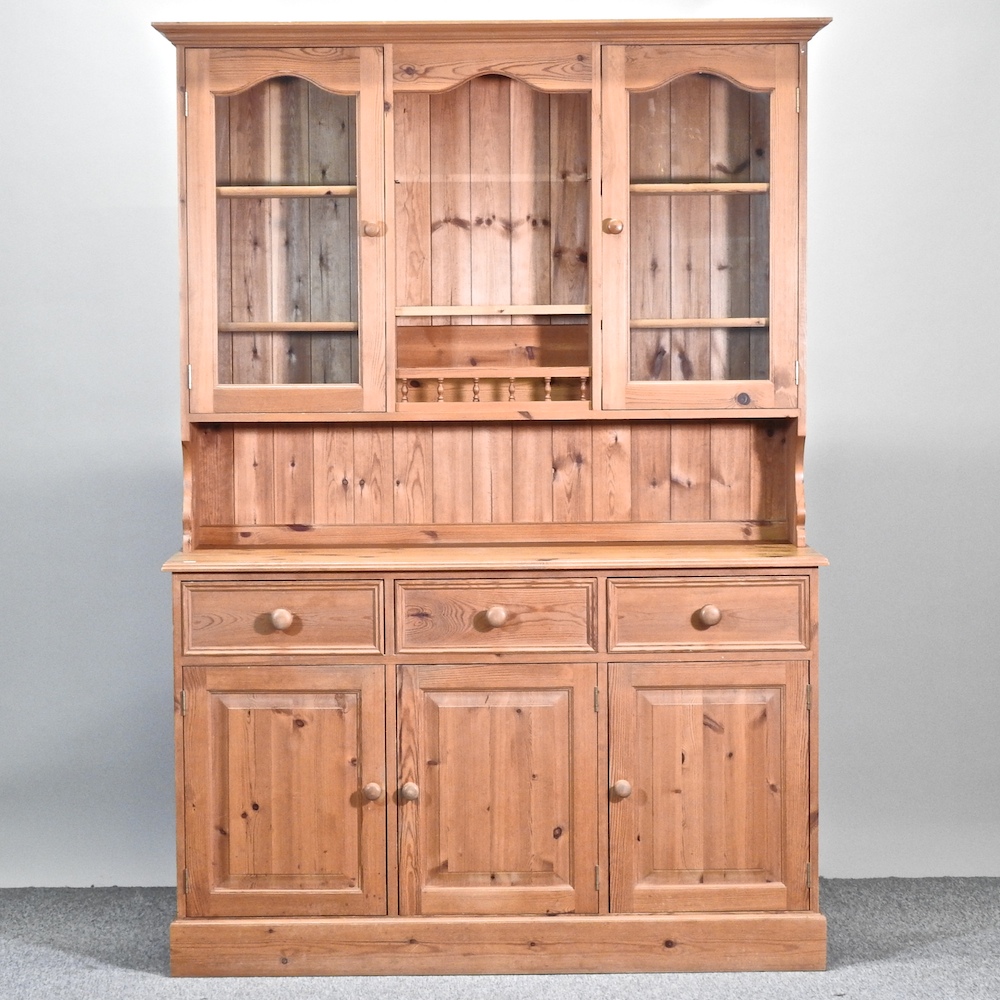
{"points": [[436, 796]]}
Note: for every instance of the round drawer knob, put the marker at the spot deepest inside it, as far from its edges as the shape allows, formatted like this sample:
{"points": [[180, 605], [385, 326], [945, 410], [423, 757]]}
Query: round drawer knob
{"points": [[622, 788], [613, 227], [282, 619], [372, 229], [409, 792], [372, 791], [497, 616], [709, 615]]}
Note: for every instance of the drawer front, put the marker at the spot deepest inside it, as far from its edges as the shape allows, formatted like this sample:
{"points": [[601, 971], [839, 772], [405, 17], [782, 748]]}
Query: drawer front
{"points": [[516, 615], [226, 617], [711, 613]]}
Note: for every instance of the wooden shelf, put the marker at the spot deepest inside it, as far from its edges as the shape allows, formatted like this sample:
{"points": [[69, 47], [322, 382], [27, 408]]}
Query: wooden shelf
{"points": [[703, 323], [628, 556], [492, 373], [334, 326], [496, 310], [287, 191], [700, 187]]}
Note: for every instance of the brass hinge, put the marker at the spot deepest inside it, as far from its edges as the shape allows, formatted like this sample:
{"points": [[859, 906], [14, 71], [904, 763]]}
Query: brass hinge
{"points": [[797, 96], [191, 378], [187, 882], [184, 702], [597, 700], [597, 877], [809, 697], [809, 874], [796, 371], [185, 104]]}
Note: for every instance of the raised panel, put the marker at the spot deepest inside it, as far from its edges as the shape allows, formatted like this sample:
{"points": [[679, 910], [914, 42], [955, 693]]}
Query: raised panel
{"points": [[275, 821], [504, 759], [717, 818]]}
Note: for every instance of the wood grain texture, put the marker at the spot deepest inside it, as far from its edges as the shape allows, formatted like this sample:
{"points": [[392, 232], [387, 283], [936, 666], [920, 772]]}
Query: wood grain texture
{"points": [[272, 762], [233, 617], [733, 31], [540, 615], [505, 760], [717, 758], [621, 943], [306, 476], [495, 643], [756, 613]]}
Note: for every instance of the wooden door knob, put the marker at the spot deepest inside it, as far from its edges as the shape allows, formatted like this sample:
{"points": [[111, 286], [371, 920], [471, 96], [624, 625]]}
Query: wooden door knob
{"points": [[372, 228], [410, 792], [613, 227], [497, 616], [372, 791], [622, 788], [709, 615], [282, 619]]}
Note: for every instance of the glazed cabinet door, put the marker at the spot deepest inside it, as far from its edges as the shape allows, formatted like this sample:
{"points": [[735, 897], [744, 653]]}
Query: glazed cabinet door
{"points": [[285, 228], [493, 155], [497, 789], [284, 778], [709, 804], [700, 226]]}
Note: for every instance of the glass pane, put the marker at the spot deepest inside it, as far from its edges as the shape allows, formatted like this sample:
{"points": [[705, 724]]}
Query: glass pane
{"points": [[699, 243], [492, 196], [287, 263], [492, 193]]}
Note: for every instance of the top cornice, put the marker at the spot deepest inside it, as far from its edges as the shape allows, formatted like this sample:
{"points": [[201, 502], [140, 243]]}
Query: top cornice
{"points": [[267, 34]]}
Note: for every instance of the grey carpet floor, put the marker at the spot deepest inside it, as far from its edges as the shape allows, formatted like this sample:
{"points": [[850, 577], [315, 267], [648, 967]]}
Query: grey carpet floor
{"points": [[890, 939]]}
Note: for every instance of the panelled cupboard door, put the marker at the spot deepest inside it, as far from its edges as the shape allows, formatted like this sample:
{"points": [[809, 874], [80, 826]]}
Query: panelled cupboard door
{"points": [[713, 813], [286, 230], [498, 789], [700, 226], [284, 791]]}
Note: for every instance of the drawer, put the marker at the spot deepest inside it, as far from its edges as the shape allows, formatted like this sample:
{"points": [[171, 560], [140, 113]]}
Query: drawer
{"points": [[708, 613], [515, 615], [239, 617]]}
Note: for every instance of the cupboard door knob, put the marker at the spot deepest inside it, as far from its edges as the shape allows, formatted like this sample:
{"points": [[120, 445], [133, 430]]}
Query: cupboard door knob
{"points": [[409, 792], [372, 791], [709, 615], [372, 229], [282, 619], [622, 788], [497, 616], [613, 227]]}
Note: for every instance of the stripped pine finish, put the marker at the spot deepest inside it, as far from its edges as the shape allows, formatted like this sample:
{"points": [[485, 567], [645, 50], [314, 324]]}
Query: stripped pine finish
{"points": [[268, 740], [717, 772], [503, 760], [477, 474], [495, 626]]}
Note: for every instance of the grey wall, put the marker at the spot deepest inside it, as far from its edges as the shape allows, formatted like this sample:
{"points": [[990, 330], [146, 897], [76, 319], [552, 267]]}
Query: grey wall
{"points": [[903, 439]]}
